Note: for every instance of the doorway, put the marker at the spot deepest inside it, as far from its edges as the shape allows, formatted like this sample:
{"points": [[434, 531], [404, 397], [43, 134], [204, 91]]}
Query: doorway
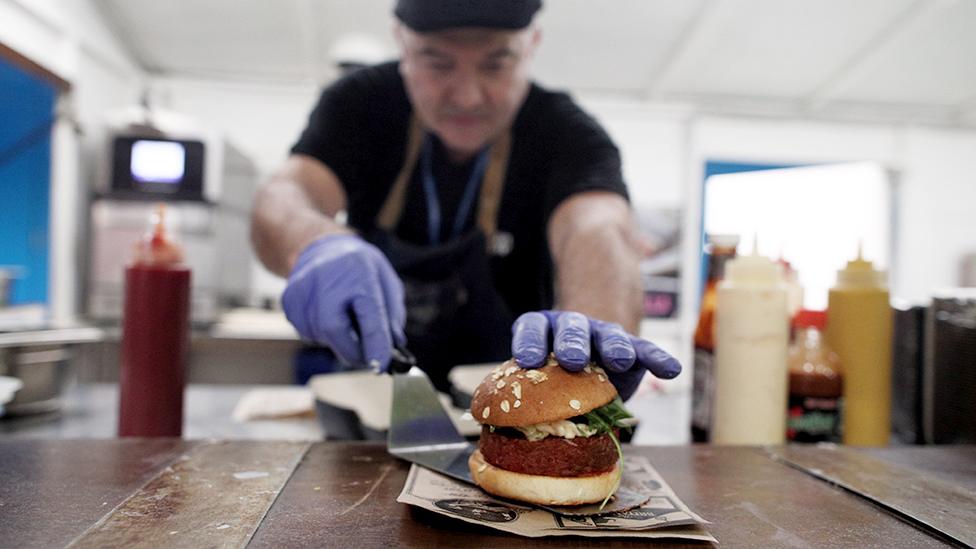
{"points": [[815, 217]]}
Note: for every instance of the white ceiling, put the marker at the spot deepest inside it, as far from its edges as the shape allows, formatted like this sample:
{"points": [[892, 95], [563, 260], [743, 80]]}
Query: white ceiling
{"points": [[907, 60]]}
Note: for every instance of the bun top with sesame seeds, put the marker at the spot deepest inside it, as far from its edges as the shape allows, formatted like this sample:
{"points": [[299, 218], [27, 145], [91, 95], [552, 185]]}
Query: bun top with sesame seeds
{"points": [[512, 396]]}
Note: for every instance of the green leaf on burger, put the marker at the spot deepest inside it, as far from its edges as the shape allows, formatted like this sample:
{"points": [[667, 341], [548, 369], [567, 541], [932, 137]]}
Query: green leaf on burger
{"points": [[605, 419]]}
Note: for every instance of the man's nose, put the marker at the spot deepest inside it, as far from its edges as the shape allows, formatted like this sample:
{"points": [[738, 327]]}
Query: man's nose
{"points": [[466, 92]]}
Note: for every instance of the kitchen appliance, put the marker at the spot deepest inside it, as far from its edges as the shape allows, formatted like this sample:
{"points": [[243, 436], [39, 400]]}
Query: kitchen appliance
{"points": [[8, 388], [934, 370], [906, 372], [949, 375], [207, 184], [44, 373]]}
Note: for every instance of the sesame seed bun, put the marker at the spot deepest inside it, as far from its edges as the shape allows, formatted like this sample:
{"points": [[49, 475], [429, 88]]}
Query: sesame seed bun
{"points": [[543, 490], [512, 396]]}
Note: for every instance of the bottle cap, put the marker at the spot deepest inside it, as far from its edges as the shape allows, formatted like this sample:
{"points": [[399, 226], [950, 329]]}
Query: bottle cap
{"points": [[787, 266], [156, 247], [809, 318], [723, 241], [861, 273], [753, 268]]}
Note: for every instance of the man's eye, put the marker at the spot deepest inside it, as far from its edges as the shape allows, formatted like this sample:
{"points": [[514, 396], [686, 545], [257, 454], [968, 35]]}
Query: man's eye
{"points": [[440, 67], [497, 66]]}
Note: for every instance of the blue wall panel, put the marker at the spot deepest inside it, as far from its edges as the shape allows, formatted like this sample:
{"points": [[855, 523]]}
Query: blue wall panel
{"points": [[26, 112]]}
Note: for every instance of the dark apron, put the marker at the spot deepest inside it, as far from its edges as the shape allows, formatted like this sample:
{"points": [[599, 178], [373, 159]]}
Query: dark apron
{"points": [[454, 314]]}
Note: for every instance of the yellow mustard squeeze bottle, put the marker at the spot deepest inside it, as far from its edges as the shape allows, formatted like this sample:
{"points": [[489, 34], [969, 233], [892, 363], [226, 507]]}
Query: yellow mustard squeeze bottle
{"points": [[859, 330]]}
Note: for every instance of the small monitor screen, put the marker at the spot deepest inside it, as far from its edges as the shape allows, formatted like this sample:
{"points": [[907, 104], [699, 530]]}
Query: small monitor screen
{"points": [[158, 162], [149, 167]]}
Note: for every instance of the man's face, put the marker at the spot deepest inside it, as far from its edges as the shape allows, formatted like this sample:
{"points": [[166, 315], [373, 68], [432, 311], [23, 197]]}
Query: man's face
{"points": [[466, 85]]}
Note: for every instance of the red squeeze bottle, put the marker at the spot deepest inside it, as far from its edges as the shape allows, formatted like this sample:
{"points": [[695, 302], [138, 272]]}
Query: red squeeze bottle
{"points": [[155, 329]]}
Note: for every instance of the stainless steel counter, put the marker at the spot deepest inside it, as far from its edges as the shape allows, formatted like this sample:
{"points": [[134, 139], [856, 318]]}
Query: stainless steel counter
{"points": [[52, 336], [90, 410], [212, 360], [47, 359]]}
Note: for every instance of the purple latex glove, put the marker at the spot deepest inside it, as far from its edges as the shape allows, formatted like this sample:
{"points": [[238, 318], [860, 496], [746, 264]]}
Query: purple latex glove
{"points": [[623, 356], [344, 293]]}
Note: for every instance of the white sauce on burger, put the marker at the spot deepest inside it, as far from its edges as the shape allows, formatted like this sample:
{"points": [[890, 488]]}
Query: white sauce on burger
{"points": [[559, 428]]}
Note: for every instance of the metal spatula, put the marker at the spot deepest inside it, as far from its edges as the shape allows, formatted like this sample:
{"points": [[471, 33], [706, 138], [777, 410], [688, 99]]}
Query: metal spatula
{"points": [[421, 432]]}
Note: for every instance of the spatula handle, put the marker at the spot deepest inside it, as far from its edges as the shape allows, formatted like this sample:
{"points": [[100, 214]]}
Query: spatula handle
{"points": [[402, 360]]}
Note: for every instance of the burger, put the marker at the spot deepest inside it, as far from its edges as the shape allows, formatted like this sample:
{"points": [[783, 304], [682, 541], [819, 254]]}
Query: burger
{"points": [[549, 436]]}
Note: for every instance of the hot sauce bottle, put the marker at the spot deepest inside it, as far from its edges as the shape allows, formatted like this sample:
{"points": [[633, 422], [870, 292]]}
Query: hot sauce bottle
{"points": [[815, 382], [155, 329]]}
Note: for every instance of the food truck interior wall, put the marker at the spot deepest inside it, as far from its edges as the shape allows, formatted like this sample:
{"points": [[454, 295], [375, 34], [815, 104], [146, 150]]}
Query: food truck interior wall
{"points": [[665, 145]]}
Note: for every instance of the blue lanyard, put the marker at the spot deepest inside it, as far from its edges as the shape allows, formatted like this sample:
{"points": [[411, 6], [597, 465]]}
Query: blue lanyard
{"points": [[433, 202]]}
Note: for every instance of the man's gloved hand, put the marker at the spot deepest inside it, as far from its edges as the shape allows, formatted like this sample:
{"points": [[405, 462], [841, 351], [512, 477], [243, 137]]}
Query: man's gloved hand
{"points": [[344, 293], [623, 356]]}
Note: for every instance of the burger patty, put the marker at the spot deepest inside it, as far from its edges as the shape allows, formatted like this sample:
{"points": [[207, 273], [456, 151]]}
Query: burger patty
{"points": [[552, 456]]}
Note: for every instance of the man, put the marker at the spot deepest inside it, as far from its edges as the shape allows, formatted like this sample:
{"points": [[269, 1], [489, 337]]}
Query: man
{"points": [[473, 196]]}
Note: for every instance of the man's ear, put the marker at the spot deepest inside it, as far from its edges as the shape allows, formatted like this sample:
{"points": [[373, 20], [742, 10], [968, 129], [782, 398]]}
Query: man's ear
{"points": [[535, 38], [399, 38]]}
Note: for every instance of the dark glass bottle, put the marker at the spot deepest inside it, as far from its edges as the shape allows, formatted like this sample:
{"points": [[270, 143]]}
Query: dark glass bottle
{"points": [[815, 383], [720, 249]]}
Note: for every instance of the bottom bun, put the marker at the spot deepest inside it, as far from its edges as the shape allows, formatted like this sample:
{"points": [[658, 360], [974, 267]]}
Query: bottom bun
{"points": [[540, 489]]}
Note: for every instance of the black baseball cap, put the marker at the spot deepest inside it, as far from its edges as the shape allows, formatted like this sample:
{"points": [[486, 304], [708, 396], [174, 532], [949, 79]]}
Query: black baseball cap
{"points": [[435, 15]]}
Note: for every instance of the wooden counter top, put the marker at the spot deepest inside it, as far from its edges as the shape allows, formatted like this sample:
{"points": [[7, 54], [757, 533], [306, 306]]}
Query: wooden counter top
{"points": [[324, 494]]}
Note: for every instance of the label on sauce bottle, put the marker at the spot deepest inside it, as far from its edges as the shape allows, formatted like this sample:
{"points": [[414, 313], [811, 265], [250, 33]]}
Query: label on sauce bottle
{"points": [[813, 419], [814, 412]]}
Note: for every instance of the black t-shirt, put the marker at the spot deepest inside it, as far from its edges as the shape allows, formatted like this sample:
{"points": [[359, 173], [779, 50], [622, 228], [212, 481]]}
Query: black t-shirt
{"points": [[359, 129]]}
